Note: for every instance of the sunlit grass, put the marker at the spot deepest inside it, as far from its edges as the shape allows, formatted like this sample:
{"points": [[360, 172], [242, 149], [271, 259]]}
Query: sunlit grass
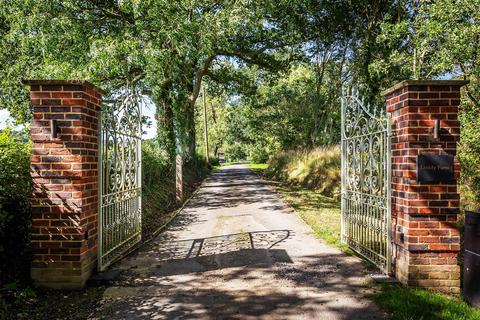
{"points": [[321, 213], [414, 304], [258, 166]]}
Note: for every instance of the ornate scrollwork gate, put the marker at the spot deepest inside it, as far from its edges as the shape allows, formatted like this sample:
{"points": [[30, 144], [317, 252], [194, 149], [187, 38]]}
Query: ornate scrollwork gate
{"points": [[366, 209], [120, 184]]}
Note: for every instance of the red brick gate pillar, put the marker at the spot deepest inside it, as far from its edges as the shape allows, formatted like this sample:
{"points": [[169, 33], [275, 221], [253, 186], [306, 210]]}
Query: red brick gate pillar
{"points": [[64, 133], [424, 214]]}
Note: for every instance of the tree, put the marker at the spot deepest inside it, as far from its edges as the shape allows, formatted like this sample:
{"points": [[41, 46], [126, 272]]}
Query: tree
{"points": [[163, 46]]}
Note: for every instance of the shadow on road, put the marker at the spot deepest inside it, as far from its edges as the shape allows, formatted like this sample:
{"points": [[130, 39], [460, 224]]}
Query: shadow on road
{"points": [[231, 187], [243, 275], [219, 296], [174, 257]]}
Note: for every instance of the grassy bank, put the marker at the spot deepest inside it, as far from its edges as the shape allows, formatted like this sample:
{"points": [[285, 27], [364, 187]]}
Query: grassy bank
{"points": [[320, 209], [158, 190], [317, 169]]}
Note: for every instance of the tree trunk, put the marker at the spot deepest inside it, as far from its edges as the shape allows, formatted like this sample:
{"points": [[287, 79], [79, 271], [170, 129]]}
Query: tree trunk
{"points": [[186, 123], [191, 139], [187, 119], [165, 126]]}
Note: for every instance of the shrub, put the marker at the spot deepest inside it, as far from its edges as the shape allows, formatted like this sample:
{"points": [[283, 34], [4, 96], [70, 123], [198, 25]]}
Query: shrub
{"points": [[469, 153], [15, 192], [317, 169], [214, 162], [236, 152], [193, 174], [258, 154], [158, 188]]}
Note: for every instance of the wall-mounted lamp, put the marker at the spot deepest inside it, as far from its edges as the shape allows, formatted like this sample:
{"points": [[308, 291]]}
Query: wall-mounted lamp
{"points": [[54, 127], [436, 129]]}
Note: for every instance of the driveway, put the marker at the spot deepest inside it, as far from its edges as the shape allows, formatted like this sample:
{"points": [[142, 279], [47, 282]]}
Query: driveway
{"points": [[236, 251]]}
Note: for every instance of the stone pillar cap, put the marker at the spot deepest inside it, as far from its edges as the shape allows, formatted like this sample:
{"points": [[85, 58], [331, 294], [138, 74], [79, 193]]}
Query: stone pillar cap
{"points": [[405, 83], [63, 82]]}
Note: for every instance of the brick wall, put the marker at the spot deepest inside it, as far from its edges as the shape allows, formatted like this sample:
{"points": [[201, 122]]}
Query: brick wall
{"points": [[424, 215], [65, 176]]}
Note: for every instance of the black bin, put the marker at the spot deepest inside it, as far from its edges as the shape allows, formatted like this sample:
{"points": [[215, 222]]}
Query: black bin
{"points": [[471, 267]]}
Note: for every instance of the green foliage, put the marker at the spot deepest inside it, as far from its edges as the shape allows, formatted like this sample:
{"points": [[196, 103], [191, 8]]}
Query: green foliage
{"points": [[164, 47], [259, 168], [274, 68], [295, 110], [226, 128], [414, 304], [214, 162], [317, 169], [15, 191], [417, 46], [469, 154], [258, 154], [236, 152], [158, 189], [456, 52], [282, 112], [217, 112]]}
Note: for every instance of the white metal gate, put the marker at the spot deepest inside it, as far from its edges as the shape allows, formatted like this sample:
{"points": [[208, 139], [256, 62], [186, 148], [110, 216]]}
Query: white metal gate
{"points": [[366, 187], [120, 184]]}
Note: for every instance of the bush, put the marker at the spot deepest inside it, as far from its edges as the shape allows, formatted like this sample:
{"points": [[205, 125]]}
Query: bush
{"points": [[193, 174], [214, 162], [15, 217], [469, 153], [158, 188], [258, 154], [317, 169], [236, 152]]}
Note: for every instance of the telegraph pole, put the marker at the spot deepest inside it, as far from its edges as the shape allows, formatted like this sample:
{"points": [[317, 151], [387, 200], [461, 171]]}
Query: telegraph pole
{"points": [[205, 124]]}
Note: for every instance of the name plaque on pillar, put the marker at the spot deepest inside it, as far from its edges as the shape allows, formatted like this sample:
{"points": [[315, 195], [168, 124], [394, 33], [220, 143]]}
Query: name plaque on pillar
{"points": [[435, 168]]}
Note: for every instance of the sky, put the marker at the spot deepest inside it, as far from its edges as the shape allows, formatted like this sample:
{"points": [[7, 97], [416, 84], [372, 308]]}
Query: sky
{"points": [[148, 109], [3, 117]]}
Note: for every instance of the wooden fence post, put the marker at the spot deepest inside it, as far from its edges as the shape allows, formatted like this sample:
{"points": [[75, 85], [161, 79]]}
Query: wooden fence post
{"points": [[179, 179]]}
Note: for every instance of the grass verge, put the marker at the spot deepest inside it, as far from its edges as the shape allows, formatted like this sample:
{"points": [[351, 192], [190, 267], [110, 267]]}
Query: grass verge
{"points": [[415, 304], [322, 214], [316, 169]]}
